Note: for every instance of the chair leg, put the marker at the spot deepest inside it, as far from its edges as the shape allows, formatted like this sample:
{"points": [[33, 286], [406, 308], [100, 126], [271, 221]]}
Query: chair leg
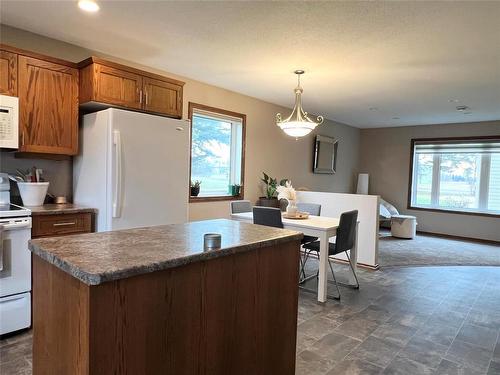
{"points": [[354, 273], [303, 269], [302, 273], [334, 281]]}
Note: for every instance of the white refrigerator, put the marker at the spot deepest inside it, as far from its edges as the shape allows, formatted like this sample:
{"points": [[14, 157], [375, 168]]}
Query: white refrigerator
{"points": [[134, 168]]}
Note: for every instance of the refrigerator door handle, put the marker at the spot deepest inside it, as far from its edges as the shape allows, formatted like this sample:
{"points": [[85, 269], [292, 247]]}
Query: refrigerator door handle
{"points": [[118, 174], [1, 247]]}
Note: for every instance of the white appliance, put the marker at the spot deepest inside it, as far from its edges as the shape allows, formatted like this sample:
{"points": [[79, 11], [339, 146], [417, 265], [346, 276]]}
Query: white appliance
{"points": [[134, 168], [15, 263], [9, 121]]}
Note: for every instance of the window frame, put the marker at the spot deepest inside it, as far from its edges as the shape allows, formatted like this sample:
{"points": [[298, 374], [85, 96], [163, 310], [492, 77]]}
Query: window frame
{"points": [[222, 112], [411, 180]]}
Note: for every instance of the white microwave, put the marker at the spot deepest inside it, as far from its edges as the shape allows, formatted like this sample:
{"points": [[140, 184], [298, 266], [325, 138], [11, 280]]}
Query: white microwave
{"points": [[9, 121]]}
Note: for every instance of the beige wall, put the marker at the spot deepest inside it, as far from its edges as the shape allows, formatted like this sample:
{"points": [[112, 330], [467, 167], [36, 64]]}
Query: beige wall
{"points": [[267, 148], [385, 155]]}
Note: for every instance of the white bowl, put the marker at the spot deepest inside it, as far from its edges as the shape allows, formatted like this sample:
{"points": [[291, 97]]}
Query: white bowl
{"points": [[33, 193]]}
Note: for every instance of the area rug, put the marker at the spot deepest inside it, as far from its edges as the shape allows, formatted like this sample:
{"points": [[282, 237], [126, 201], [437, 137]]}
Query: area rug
{"points": [[428, 250]]}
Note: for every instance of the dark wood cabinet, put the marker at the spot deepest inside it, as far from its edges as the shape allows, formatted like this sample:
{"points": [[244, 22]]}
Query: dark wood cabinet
{"points": [[112, 84], [8, 73], [48, 107], [61, 224]]}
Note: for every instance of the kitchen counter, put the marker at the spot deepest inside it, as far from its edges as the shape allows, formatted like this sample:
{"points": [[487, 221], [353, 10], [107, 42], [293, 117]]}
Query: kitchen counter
{"points": [[99, 257], [151, 301], [57, 209]]}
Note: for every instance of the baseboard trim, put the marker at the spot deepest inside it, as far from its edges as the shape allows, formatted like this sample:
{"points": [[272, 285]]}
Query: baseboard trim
{"points": [[461, 238], [361, 265]]}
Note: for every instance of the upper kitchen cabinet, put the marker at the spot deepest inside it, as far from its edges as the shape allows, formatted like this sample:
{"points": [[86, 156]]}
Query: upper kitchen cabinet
{"points": [[104, 83], [162, 97], [48, 106], [8, 73]]}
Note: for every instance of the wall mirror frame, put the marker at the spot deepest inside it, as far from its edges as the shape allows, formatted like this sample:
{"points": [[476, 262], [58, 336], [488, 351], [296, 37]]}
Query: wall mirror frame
{"points": [[325, 155]]}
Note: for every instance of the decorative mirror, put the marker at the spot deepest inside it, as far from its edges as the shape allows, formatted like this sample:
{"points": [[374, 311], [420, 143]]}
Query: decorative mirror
{"points": [[325, 155]]}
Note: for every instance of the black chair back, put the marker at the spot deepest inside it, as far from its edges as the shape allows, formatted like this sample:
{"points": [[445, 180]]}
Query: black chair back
{"points": [[267, 216], [346, 231], [310, 208]]}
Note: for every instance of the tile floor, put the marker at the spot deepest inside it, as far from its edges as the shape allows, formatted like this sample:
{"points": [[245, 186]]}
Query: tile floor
{"points": [[403, 320]]}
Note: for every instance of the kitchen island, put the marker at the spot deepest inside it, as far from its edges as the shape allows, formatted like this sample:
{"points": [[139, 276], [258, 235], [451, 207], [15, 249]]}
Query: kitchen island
{"points": [[152, 301]]}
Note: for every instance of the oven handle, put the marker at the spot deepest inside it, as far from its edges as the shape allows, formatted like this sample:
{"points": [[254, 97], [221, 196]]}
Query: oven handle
{"points": [[18, 225]]}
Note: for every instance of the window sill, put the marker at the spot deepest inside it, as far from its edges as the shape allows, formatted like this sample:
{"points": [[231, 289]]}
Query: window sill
{"points": [[443, 210], [215, 198]]}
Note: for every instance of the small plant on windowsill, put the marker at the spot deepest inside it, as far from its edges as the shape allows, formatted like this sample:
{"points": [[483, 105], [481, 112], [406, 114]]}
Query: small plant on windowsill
{"points": [[234, 190], [195, 188]]}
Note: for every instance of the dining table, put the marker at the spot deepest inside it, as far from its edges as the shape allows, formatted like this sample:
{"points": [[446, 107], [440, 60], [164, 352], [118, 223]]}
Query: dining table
{"points": [[317, 226]]}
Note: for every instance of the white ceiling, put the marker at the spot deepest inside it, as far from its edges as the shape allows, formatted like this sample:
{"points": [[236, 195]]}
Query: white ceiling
{"points": [[407, 59]]}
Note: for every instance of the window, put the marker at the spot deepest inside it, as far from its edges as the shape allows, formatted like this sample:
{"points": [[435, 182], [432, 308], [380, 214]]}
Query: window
{"points": [[217, 152], [456, 175]]}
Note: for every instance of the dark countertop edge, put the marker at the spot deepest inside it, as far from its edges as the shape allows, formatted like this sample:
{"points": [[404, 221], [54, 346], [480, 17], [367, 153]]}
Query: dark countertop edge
{"points": [[62, 210], [96, 279]]}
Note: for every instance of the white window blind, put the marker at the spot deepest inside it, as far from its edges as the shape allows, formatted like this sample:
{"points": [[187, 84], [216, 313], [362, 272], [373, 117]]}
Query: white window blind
{"points": [[459, 175]]}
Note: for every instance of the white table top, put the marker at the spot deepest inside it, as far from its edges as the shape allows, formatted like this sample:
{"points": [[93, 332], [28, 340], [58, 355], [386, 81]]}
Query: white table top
{"points": [[322, 223]]}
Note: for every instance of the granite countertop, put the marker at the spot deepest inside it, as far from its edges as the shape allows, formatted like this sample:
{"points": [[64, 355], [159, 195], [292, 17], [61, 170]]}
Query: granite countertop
{"points": [[56, 209], [95, 258]]}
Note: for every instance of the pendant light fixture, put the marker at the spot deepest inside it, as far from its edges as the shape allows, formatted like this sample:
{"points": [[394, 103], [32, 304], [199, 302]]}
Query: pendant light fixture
{"points": [[298, 124]]}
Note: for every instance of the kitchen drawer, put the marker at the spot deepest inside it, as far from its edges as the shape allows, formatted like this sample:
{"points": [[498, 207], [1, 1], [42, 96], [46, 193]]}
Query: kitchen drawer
{"points": [[63, 224]]}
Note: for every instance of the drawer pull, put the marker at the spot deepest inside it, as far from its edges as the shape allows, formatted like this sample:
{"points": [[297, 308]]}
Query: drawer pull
{"points": [[64, 224]]}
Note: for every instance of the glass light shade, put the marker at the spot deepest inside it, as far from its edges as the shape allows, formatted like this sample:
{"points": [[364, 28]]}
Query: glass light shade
{"points": [[297, 128], [88, 5]]}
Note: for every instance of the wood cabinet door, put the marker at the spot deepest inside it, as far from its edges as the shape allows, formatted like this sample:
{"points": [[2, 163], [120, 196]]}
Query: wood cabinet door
{"points": [[8, 73], [118, 87], [48, 107], [162, 97]]}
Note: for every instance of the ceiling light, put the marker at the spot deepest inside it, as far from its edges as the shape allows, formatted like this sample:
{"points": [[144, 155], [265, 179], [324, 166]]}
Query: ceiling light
{"points": [[298, 124], [462, 108], [88, 5], [453, 100]]}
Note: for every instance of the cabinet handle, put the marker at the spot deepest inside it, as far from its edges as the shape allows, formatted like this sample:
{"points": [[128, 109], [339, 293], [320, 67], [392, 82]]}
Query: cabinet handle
{"points": [[22, 138], [140, 97], [146, 95], [64, 224]]}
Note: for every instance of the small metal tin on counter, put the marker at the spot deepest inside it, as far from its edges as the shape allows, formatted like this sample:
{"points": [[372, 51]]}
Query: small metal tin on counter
{"points": [[60, 200], [211, 241]]}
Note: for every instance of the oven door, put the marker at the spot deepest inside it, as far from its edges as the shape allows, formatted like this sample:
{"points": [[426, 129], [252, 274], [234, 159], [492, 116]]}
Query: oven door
{"points": [[15, 258]]}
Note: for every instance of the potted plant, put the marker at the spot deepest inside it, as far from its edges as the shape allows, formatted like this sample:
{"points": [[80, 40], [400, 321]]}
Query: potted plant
{"points": [[271, 197], [195, 188], [234, 190]]}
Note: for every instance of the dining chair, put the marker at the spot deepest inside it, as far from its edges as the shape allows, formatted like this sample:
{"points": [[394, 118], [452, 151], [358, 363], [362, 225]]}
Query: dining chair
{"points": [[311, 209], [346, 234], [268, 216], [238, 207]]}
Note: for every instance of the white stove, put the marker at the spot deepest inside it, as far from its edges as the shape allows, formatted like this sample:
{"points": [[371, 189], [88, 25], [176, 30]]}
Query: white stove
{"points": [[13, 210], [15, 262]]}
